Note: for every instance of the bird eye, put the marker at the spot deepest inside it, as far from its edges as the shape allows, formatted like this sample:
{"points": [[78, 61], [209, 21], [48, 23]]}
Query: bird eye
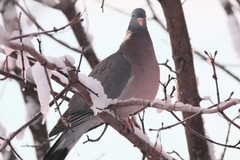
{"points": [[133, 15]]}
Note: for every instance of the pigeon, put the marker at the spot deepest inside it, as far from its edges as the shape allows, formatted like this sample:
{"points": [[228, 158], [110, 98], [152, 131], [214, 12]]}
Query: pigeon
{"points": [[131, 72]]}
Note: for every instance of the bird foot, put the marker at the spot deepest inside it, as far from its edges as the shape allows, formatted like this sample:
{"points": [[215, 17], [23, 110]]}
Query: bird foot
{"points": [[129, 124]]}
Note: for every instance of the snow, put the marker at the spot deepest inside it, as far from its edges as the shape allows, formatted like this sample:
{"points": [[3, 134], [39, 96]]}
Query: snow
{"points": [[167, 102], [43, 88], [206, 98], [141, 135], [60, 61], [60, 64], [99, 98], [51, 2], [61, 77]]}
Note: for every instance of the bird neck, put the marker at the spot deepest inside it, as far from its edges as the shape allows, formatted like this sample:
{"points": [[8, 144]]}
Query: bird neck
{"points": [[137, 45]]}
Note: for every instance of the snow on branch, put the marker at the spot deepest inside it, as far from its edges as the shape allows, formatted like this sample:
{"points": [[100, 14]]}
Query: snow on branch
{"points": [[178, 106]]}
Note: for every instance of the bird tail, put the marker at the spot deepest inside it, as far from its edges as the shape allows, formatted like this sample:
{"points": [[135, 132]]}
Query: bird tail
{"points": [[70, 137], [58, 151]]}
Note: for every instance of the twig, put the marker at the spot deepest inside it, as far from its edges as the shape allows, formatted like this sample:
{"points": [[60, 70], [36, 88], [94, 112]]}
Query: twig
{"points": [[61, 95], [229, 120], [165, 85], [158, 137], [166, 65], [8, 140], [42, 144], [203, 137], [81, 57], [227, 137], [212, 60], [174, 152], [76, 19], [15, 152], [97, 139], [102, 5], [141, 118], [41, 28], [173, 125], [21, 51]]}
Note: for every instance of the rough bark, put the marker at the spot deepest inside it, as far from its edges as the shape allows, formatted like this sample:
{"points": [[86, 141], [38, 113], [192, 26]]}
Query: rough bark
{"points": [[187, 85]]}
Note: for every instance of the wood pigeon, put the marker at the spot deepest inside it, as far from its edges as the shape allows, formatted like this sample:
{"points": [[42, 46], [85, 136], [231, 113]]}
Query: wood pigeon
{"points": [[131, 72]]}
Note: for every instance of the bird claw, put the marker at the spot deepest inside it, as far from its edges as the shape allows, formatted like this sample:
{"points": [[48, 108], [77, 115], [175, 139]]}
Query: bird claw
{"points": [[129, 124]]}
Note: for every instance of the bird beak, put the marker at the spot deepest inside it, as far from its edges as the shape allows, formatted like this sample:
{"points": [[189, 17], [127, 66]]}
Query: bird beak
{"points": [[140, 21]]}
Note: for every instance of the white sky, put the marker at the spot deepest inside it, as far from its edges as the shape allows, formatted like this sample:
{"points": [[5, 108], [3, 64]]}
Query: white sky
{"points": [[208, 31]]}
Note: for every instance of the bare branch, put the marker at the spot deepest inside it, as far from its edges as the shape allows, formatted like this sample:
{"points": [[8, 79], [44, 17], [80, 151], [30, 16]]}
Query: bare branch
{"points": [[178, 106]]}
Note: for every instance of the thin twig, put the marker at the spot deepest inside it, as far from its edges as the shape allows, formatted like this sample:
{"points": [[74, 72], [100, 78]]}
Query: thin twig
{"points": [[179, 122], [99, 137], [212, 60], [203, 137], [166, 65], [176, 154], [8, 140], [41, 28], [21, 51], [15, 152], [141, 118], [102, 5], [76, 19], [227, 138], [81, 57]]}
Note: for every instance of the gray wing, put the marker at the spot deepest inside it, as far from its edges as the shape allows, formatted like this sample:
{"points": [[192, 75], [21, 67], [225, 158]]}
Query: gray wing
{"points": [[114, 73]]}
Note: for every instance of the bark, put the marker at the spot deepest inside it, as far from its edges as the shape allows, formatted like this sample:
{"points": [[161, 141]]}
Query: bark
{"points": [[187, 85]]}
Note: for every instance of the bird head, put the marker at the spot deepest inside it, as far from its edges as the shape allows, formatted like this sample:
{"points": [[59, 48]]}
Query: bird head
{"points": [[138, 20]]}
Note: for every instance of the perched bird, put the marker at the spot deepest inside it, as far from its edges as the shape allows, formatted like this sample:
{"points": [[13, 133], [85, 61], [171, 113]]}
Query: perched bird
{"points": [[131, 72]]}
